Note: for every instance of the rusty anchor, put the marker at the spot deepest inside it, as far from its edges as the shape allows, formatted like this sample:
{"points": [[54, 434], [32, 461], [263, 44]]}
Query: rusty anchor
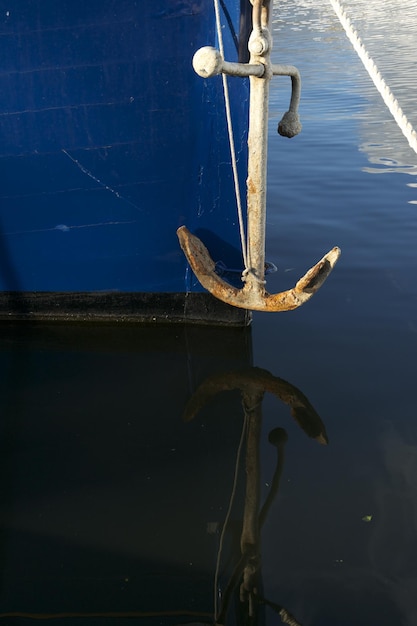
{"points": [[209, 62]]}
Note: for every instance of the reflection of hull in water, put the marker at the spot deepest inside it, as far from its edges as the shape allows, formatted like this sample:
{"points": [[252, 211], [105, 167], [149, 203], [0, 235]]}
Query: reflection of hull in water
{"points": [[109, 498], [119, 451]]}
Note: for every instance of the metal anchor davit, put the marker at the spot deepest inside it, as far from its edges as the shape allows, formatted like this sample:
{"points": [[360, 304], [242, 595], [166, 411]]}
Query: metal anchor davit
{"points": [[208, 62]]}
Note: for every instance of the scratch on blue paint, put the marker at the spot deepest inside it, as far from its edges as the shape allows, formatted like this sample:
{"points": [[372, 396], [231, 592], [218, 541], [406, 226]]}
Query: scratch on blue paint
{"points": [[98, 181], [181, 9], [64, 228]]}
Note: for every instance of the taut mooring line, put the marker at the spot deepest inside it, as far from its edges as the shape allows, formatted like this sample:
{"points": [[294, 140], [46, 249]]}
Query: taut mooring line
{"points": [[388, 97]]}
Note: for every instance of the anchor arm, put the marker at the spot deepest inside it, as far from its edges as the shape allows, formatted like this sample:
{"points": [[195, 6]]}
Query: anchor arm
{"points": [[261, 381], [250, 297]]}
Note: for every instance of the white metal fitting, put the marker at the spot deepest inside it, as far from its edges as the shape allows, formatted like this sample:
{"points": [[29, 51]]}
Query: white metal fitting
{"points": [[207, 62], [258, 45]]}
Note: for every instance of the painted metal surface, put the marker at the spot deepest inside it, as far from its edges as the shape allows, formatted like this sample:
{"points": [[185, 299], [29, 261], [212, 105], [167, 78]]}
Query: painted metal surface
{"points": [[109, 141]]}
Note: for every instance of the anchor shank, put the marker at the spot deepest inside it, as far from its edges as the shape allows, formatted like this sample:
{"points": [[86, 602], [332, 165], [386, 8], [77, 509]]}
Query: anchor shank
{"points": [[252, 404], [250, 536], [260, 44], [256, 181]]}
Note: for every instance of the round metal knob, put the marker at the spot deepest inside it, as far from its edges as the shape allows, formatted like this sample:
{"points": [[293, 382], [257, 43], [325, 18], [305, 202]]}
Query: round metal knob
{"points": [[207, 62]]}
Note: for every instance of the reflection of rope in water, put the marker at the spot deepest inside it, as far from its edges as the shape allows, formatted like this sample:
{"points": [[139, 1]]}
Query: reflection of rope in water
{"points": [[227, 518], [387, 95]]}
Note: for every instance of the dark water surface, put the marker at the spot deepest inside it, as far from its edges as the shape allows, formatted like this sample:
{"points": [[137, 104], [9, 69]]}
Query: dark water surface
{"points": [[112, 503]]}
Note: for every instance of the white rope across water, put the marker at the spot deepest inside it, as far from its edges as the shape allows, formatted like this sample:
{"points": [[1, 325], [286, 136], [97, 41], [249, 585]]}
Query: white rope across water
{"points": [[387, 95]]}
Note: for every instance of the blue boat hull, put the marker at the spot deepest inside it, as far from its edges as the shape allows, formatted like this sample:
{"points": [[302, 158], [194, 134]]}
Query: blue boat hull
{"points": [[109, 143]]}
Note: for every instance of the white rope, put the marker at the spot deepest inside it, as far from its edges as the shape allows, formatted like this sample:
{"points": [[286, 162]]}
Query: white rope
{"points": [[387, 96], [231, 139]]}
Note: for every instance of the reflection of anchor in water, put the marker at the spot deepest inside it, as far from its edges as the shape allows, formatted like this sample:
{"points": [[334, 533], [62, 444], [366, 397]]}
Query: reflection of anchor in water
{"points": [[253, 383], [209, 62]]}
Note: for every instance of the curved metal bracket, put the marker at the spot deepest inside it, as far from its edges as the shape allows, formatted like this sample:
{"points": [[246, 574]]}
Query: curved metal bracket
{"points": [[253, 295]]}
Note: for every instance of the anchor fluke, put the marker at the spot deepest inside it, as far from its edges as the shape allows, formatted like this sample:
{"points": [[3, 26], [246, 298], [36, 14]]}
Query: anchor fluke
{"points": [[315, 277], [203, 267], [253, 295]]}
